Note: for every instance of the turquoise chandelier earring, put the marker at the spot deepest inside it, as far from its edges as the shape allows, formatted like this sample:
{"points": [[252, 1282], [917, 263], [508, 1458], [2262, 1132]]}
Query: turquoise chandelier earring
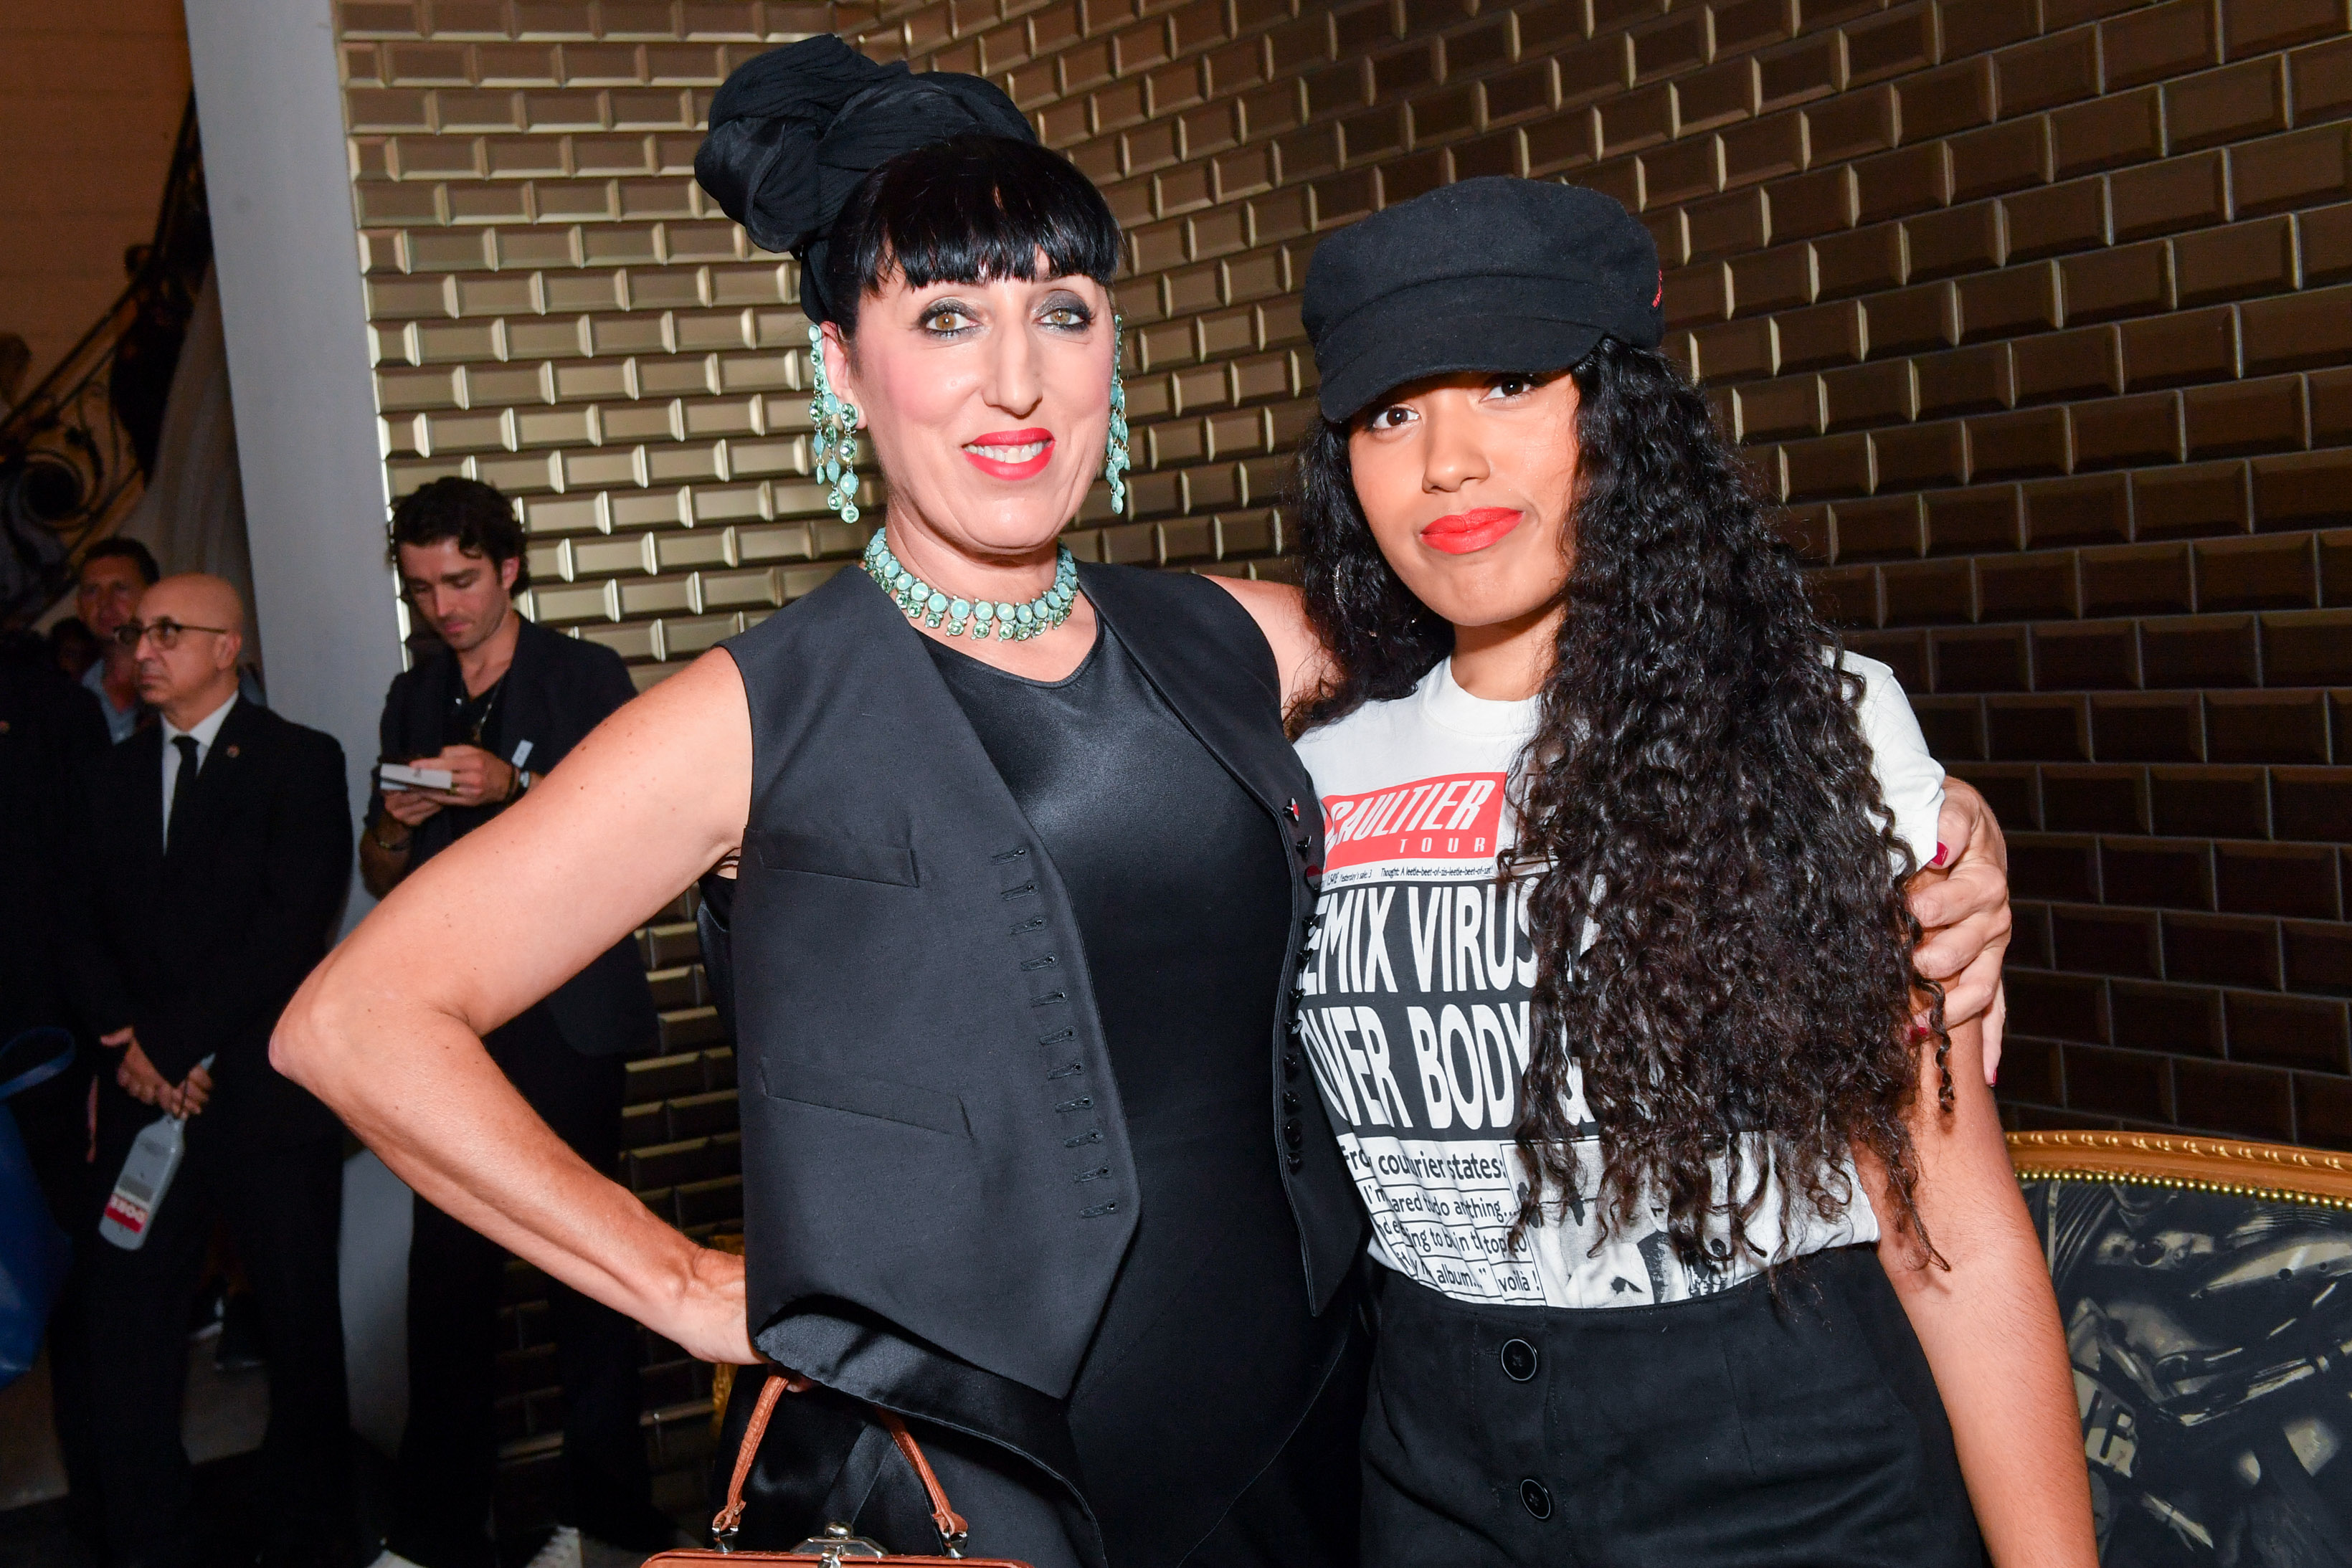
{"points": [[1115, 461], [836, 434]]}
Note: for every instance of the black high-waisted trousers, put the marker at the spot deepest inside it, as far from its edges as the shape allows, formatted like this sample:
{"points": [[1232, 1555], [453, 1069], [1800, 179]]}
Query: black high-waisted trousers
{"points": [[1732, 1431]]}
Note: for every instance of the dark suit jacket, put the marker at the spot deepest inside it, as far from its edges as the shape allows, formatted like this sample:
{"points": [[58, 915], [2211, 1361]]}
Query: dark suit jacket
{"points": [[200, 949], [557, 690], [51, 733]]}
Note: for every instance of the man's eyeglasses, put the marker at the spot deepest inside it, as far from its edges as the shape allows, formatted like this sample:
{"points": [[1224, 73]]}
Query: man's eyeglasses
{"points": [[166, 632]]}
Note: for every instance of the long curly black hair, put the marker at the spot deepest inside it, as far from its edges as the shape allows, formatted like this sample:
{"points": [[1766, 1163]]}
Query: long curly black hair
{"points": [[1700, 798]]}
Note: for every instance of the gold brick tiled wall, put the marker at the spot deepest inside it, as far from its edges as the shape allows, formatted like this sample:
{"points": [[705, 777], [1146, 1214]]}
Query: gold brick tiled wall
{"points": [[556, 308], [2034, 312]]}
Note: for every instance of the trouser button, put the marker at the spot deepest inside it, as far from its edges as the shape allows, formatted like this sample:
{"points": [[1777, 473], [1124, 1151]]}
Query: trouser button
{"points": [[1537, 1501], [1518, 1360]]}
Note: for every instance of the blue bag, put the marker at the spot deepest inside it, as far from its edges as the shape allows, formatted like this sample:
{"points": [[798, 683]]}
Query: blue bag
{"points": [[34, 1252]]}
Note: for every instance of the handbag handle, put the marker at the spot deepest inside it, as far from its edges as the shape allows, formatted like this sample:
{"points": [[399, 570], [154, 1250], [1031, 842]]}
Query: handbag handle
{"points": [[944, 1519]]}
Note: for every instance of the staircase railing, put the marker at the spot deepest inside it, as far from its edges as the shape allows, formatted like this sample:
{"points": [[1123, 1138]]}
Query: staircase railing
{"points": [[76, 450]]}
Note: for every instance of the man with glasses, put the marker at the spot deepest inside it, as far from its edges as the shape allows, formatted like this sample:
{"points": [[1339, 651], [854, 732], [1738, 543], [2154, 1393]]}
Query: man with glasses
{"points": [[113, 576], [214, 864]]}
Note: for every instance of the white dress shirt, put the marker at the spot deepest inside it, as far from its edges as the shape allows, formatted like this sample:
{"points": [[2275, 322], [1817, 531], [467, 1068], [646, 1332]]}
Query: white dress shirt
{"points": [[203, 730]]}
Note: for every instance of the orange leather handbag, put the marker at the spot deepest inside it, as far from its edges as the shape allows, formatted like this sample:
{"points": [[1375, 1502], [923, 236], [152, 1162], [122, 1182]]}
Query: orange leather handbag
{"points": [[836, 1546]]}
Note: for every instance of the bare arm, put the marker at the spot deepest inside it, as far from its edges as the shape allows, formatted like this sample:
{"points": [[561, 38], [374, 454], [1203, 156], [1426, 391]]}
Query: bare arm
{"points": [[388, 1029], [1989, 1327]]}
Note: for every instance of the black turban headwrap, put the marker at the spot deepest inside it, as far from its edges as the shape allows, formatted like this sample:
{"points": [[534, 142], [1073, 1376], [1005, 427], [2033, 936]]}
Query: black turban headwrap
{"points": [[794, 131]]}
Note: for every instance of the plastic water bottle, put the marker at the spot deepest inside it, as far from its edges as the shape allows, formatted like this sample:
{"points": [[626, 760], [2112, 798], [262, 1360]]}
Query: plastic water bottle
{"points": [[147, 1173]]}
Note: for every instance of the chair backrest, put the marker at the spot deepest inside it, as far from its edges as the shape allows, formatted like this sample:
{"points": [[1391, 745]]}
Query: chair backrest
{"points": [[2205, 1287]]}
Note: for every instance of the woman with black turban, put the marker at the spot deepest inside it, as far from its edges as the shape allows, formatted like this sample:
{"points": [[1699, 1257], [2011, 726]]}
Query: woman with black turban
{"points": [[1012, 867]]}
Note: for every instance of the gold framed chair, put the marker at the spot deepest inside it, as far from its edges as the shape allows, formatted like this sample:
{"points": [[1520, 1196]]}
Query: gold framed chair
{"points": [[2205, 1287]]}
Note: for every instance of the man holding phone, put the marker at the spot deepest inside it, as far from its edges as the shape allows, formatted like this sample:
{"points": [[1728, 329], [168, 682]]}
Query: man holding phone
{"points": [[467, 731]]}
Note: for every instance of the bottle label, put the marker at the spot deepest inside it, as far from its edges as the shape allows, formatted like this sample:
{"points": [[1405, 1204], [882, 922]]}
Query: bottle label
{"points": [[128, 1213]]}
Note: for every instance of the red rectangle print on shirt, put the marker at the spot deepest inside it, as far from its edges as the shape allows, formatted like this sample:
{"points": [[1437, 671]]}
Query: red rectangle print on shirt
{"points": [[1454, 816]]}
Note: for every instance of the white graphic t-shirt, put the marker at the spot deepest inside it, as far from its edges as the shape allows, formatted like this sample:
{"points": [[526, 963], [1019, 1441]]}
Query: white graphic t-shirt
{"points": [[1415, 1012]]}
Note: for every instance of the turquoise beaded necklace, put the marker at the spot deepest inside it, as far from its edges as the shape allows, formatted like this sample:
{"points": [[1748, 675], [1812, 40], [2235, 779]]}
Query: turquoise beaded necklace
{"points": [[981, 620]]}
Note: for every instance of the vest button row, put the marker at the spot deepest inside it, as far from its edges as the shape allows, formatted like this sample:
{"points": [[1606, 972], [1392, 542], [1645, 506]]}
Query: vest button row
{"points": [[1535, 1498], [1289, 1102], [1290, 1066], [1519, 1360]]}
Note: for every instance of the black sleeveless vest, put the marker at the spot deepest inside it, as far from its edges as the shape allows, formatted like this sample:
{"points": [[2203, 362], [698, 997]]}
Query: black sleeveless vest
{"points": [[917, 1037]]}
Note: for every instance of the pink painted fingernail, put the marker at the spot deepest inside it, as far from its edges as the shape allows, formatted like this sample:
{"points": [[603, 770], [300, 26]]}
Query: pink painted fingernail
{"points": [[1940, 853]]}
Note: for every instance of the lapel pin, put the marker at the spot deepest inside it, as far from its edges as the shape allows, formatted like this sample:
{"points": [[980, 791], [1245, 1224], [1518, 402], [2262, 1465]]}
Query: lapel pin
{"points": [[232, 751], [1293, 810], [3, 726]]}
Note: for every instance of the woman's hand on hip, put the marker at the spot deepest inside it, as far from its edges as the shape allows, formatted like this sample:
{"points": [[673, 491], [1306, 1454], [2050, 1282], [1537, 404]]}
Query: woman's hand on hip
{"points": [[710, 1324]]}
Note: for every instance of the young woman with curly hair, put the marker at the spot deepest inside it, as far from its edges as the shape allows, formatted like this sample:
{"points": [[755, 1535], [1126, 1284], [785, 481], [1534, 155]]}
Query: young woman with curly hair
{"points": [[1702, 1243]]}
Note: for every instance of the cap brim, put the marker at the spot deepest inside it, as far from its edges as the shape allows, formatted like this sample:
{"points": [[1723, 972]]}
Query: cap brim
{"points": [[1388, 348]]}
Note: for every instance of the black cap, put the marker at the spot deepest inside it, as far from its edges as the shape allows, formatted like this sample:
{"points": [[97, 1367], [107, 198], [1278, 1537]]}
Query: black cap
{"points": [[794, 131], [1492, 274]]}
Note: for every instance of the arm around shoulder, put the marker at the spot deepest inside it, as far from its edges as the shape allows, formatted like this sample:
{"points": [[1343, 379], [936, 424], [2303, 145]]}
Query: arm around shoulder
{"points": [[1959, 891]]}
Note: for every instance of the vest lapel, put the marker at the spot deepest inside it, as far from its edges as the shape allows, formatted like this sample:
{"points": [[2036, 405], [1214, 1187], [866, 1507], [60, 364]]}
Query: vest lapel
{"points": [[436, 682], [916, 694]]}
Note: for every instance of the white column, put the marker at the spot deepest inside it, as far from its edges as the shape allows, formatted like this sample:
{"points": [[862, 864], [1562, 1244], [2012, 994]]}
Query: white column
{"points": [[287, 251]]}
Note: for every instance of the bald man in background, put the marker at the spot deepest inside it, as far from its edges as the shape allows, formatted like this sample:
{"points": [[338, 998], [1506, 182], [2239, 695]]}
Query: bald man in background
{"points": [[214, 867]]}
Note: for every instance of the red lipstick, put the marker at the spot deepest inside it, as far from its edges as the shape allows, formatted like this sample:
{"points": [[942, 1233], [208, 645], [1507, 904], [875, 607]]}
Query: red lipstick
{"points": [[1463, 532], [989, 453]]}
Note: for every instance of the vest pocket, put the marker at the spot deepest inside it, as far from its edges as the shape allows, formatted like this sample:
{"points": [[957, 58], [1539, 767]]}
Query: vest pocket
{"points": [[830, 854], [799, 1082]]}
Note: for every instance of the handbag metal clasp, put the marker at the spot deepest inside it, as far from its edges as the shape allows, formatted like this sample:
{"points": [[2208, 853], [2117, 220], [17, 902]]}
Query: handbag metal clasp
{"points": [[836, 1546]]}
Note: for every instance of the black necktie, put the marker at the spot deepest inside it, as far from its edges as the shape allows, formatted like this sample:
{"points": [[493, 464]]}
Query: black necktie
{"points": [[182, 787]]}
